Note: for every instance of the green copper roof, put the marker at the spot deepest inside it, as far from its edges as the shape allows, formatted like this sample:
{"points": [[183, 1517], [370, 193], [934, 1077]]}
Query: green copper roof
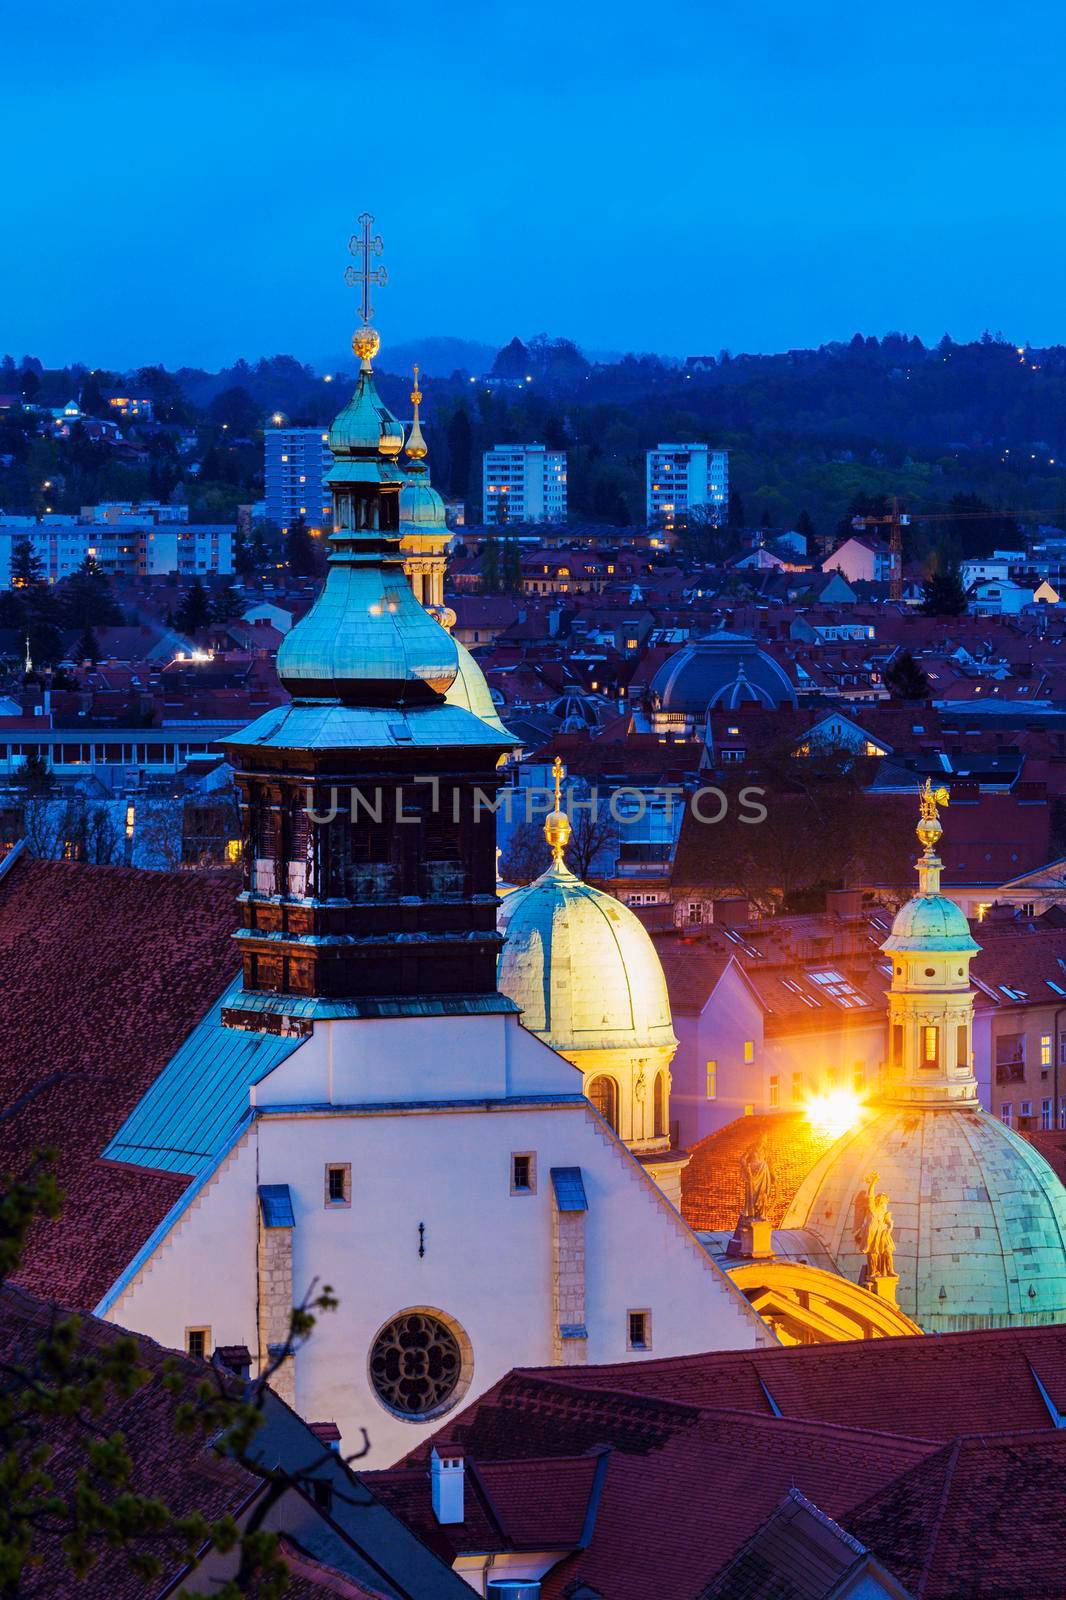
{"points": [[930, 922], [367, 635], [327, 725], [366, 423], [980, 1217], [420, 504]]}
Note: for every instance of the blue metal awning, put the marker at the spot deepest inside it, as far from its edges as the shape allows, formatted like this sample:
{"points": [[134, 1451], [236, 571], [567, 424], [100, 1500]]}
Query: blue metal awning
{"points": [[569, 1189], [276, 1204]]}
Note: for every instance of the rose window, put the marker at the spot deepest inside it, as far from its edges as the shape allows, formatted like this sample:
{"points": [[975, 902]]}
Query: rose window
{"points": [[415, 1364]]}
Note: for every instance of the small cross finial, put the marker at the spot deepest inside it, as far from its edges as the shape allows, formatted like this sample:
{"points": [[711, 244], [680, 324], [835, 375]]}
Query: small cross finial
{"points": [[557, 774]]}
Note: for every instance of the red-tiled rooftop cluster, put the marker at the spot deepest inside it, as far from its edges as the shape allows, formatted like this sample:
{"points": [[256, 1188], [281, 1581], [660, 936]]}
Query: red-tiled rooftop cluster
{"points": [[104, 970], [923, 1451]]}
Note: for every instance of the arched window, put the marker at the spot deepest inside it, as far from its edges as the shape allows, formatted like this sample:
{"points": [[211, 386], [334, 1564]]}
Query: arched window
{"points": [[603, 1092], [658, 1105]]}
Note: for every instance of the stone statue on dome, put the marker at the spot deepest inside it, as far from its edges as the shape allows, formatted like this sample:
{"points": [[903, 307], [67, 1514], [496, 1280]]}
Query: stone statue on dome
{"points": [[758, 1183], [877, 1243]]}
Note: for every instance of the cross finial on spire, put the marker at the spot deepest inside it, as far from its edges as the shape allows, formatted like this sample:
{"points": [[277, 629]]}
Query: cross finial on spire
{"points": [[363, 249], [366, 342]]}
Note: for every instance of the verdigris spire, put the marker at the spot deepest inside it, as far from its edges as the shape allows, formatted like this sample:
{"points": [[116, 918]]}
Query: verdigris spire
{"points": [[366, 640]]}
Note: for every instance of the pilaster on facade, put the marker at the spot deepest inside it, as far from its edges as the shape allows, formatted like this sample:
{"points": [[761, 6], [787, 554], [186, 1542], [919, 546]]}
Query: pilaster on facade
{"points": [[275, 1287], [569, 1208]]}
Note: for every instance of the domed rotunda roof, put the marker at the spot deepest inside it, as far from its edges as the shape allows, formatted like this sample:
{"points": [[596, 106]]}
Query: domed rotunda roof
{"points": [[980, 1217], [579, 964], [930, 922], [470, 690], [722, 669]]}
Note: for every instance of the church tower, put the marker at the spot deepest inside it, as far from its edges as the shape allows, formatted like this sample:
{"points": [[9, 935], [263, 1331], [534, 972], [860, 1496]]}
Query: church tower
{"points": [[930, 1003], [363, 1107], [423, 529], [979, 1217], [369, 838]]}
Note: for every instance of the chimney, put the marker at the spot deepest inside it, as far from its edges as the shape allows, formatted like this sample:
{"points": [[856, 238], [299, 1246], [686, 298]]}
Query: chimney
{"points": [[732, 910], [843, 902], [447, 1471]]}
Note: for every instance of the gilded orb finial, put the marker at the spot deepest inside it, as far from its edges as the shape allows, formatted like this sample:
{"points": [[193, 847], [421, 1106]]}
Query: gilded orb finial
{"points": [[416, 444], [557, 828], [930, 826], [366, 341]]}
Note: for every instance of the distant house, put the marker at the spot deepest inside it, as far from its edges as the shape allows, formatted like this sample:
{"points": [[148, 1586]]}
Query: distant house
{"points": [[861, 561], [124, 404]]}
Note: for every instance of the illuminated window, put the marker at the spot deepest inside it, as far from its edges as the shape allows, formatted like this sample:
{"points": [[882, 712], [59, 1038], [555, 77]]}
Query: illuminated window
{"points": [[930, 1046], [233, 850], [712, 1080], [749, 1049], [775, 1089], [1045, 1049], [749, 1110], [797, 1086], [603, 1092]]}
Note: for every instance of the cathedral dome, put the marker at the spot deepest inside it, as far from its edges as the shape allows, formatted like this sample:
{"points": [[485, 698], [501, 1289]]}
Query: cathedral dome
{"points": [[722, 669], [420, 504], [470, 691], [930, 922], [979, 1217], [582, 968]]}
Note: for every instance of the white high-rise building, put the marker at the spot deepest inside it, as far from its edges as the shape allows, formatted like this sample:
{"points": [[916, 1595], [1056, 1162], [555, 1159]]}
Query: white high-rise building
{"points": [[523, 483], [682, 477], [126, 547], [297, 462]]}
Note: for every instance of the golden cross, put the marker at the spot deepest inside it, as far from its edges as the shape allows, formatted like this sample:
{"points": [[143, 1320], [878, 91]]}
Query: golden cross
{"points": [[364, 249], [557, 774]]}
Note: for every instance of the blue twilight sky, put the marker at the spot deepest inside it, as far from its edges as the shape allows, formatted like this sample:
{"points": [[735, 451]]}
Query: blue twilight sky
{"points": [[180, 179]]}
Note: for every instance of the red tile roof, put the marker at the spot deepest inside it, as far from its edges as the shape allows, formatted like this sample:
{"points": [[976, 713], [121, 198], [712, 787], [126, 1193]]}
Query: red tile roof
{"points": [[104, 970], [175, 1467], [699, 1451], [712, 1186], [663, 1522], [982, 1517], [932, 1387]]}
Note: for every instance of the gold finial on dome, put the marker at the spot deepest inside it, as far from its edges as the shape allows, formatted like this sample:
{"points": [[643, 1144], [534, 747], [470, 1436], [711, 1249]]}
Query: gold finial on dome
{"points": [[930, 826], [416, 444], [557, 828], [366, 341]]}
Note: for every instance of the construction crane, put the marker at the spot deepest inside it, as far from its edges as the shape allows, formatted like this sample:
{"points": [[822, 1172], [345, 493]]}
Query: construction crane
{"points": [[896, 520]]}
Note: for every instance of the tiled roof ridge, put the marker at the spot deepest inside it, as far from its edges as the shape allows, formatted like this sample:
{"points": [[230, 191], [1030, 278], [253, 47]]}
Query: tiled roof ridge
{"points": [[624, 1404], [951, 1452], [561, 1398]]}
